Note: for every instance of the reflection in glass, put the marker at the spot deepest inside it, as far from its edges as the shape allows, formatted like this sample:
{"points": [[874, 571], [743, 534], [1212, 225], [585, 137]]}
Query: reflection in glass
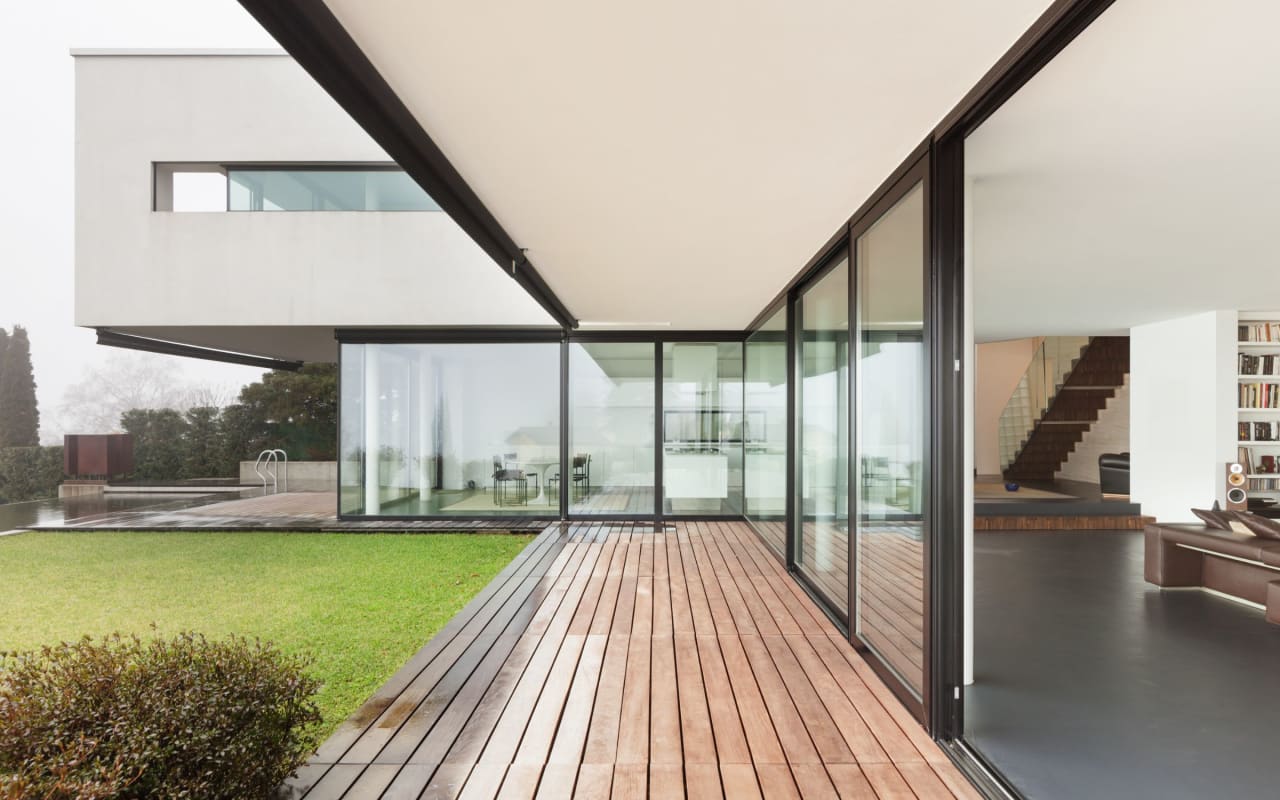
{"points": [[890, 438], [611, 443], [436, 429], [325, 190], [765, 432], [703, 427], [822, 539]]}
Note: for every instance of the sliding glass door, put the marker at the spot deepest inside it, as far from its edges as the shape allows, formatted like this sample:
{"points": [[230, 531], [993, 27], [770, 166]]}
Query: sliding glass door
{"points": [[820, 530], [890, 439]]}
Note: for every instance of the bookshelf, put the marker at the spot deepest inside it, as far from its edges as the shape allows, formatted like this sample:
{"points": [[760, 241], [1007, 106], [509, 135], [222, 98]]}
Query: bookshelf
{"points": [[1258, 400]]}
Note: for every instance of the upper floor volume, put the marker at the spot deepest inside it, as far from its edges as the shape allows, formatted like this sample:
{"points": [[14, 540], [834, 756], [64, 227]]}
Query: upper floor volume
{"points": [[177, 150]]}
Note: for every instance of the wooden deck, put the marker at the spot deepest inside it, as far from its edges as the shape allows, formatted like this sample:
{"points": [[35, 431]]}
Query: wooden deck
{"points": [[891, 568], [613, 660]]}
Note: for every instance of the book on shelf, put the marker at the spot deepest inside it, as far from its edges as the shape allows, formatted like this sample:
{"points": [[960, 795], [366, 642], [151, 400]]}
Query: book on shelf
{"points": [[1245, 456], [1259, 395], [1259, 331], [1249, 364], [1264, 484]]}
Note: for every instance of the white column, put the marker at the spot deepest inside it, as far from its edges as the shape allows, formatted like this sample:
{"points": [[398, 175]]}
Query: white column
{"points": [[424, 417], [1183, 400], [372, 436]]}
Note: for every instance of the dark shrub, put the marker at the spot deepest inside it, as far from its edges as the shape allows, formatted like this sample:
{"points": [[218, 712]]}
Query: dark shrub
{"points": [[177, 718], [29, 473]]}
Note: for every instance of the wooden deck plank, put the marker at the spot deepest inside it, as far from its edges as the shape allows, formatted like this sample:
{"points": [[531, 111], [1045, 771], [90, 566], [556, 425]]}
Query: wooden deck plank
{"points": [[630, 782], [813, 782], [739, 781], [557, 781], [756, 721], [511, 726], [571, 736], [681, 610], [887, 782], [792, 732], [696, 730], [606, 715], [521, 782], [616, 659], [776, 782], [664, 704], [633, 737], [924, 782], [881, 723], [850, 783], [702, 781], [594, 781], [861, 742], [666, 782], [826, 736]]}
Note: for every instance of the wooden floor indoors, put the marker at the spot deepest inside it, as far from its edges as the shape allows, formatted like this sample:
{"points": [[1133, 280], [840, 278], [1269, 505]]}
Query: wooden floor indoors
{"points": [[613, 660]]}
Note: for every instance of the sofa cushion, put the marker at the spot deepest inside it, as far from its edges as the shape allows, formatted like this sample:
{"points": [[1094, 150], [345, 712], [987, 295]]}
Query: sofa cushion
{"points": [[1214, 518], [1261, 527]]}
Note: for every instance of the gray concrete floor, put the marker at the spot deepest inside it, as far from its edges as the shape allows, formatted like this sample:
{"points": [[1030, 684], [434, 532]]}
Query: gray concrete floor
{"points": [[1090, 683]]}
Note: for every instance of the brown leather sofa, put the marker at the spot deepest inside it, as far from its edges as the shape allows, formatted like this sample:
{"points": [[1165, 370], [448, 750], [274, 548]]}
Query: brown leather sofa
{"points": [[1241, 565]]}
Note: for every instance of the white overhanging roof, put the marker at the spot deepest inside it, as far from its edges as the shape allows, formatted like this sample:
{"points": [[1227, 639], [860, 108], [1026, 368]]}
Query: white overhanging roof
{"points": [[675, 164]]}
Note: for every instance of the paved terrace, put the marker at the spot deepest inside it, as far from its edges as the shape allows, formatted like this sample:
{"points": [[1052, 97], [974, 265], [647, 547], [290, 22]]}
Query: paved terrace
{"points": [[613, 660]]}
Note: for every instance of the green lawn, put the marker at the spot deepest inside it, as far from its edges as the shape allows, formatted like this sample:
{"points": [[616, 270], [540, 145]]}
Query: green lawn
{"points": [[361, 604]]}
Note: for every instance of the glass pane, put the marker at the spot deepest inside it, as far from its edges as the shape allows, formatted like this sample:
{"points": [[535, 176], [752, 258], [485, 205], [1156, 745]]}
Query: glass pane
{"points": [[890, 438], [765, 431], [611, 396], [325, 190], [822, 540], [435, 429], [703, 427]]}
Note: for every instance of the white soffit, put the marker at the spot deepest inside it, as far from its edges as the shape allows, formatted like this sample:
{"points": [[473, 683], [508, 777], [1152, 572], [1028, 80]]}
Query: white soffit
{"points": [[678, 162], [1135, 178]]}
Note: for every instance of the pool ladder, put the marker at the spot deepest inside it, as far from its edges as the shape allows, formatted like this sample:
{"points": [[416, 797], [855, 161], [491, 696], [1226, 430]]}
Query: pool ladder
{"points": [[265, 466]]}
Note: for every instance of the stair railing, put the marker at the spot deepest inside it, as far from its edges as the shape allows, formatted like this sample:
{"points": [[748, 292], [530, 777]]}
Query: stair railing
{"points": [[264, 466], [284, 459], [1039, 384]]}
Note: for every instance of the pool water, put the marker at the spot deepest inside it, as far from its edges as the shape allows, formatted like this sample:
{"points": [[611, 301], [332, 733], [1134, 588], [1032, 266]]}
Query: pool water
{"points": [[55, 512]]}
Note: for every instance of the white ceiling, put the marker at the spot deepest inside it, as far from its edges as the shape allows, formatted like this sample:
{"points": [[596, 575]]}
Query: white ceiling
{"points": [[678, 162], [1135, 178]]}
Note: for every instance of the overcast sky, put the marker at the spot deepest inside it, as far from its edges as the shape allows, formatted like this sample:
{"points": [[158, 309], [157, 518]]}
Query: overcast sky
{"points": [[36, 203]]}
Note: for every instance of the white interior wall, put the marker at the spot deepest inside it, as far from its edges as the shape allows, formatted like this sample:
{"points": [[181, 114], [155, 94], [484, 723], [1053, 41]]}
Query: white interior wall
{"points": [[1109, 434], [998, 367], [1182, 378]]}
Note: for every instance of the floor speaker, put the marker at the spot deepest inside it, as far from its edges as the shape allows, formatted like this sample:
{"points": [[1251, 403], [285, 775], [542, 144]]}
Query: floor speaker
{"points": [[1237, 488]]}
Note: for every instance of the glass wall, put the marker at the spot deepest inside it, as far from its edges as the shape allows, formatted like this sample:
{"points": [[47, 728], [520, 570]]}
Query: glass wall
{"points": [[703, 428], [891, 438], [325, 190], [765, 430], [450, 429], [821, 542], [611, 442]]}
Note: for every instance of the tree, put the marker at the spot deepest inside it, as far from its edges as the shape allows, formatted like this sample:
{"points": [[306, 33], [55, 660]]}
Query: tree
{"points": [[159, 442], [201, 444], [19, 415], [241, 437], [125, 381], [298, 410]]}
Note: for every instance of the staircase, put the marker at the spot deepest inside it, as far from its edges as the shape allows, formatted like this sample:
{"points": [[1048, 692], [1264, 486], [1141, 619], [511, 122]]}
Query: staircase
{"points": [[1072, 409]]}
